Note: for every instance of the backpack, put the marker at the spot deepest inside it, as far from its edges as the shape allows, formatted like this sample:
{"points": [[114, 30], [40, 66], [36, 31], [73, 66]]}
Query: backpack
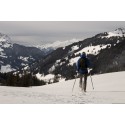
{"points": [[82, 63]]}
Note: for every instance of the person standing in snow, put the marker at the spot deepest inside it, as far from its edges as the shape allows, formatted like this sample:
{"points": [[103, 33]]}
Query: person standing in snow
{"points": [[82, 64]]}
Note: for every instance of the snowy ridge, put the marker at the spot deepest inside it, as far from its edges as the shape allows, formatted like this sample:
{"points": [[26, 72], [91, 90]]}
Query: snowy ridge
{"points": [[109, 88], [120, 32], [58, 44], [5, 41], [94, 50], [14, 56], [92, 46], [74, 52]]}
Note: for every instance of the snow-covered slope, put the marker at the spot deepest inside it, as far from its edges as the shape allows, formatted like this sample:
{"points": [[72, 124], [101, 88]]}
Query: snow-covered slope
{"points": [[5, 43], [15, 57], [109, 88], [94, 50], [62, 60], [120, 32]]}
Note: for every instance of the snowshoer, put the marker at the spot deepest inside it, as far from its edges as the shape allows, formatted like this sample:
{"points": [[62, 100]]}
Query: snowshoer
{"points": [[82, 64]]}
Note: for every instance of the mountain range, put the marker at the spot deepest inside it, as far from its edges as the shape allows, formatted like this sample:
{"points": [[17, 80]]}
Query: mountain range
{"points": [[15, 57], [106, 52], [52, 62]]}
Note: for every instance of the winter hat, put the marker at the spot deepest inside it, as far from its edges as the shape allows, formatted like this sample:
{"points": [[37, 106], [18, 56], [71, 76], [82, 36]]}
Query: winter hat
{"points": [[83, 54]]}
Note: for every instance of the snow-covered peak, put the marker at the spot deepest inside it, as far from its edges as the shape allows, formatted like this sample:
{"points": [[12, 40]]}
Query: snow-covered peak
{"points": [[58, 44], [120, 32], [5, 41], [117, 32], [4, 38]]}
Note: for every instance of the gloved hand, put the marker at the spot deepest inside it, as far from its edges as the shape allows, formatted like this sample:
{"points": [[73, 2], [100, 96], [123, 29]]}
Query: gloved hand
{"points": [[77, 73], [89, 71]]}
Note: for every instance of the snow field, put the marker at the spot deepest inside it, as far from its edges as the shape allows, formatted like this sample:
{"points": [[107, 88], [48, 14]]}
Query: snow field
{"points": [[109, 88]]}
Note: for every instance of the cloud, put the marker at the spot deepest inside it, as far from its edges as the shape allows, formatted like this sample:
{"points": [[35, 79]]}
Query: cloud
{"points": [[37, 31]]}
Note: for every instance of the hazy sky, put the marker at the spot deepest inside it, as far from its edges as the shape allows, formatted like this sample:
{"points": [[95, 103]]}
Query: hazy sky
{"points": [[40, 32]]}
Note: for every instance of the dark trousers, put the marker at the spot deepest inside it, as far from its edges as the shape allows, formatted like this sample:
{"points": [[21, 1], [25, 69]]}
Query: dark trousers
{"points": [[82, 84]]}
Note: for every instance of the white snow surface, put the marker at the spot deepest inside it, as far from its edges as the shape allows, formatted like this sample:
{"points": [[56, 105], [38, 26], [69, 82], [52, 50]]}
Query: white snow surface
{"points": [[1, 50], [75, 48], [6, 68], [94, 50], [120, 32], [46, 78], [73, 60], [109, 89], [25, 59]]}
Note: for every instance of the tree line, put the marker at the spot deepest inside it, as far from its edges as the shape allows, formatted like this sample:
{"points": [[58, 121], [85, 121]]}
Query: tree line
{"points": [[25, 80]]}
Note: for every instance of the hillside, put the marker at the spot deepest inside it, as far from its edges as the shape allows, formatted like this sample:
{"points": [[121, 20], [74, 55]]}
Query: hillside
{"points": [[102, 49], [15, 57], [109, 88], [106, 52]]}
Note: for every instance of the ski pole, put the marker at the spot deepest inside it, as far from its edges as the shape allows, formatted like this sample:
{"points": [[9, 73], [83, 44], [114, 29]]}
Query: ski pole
{"points": [[74, 84], [91, 81]]}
